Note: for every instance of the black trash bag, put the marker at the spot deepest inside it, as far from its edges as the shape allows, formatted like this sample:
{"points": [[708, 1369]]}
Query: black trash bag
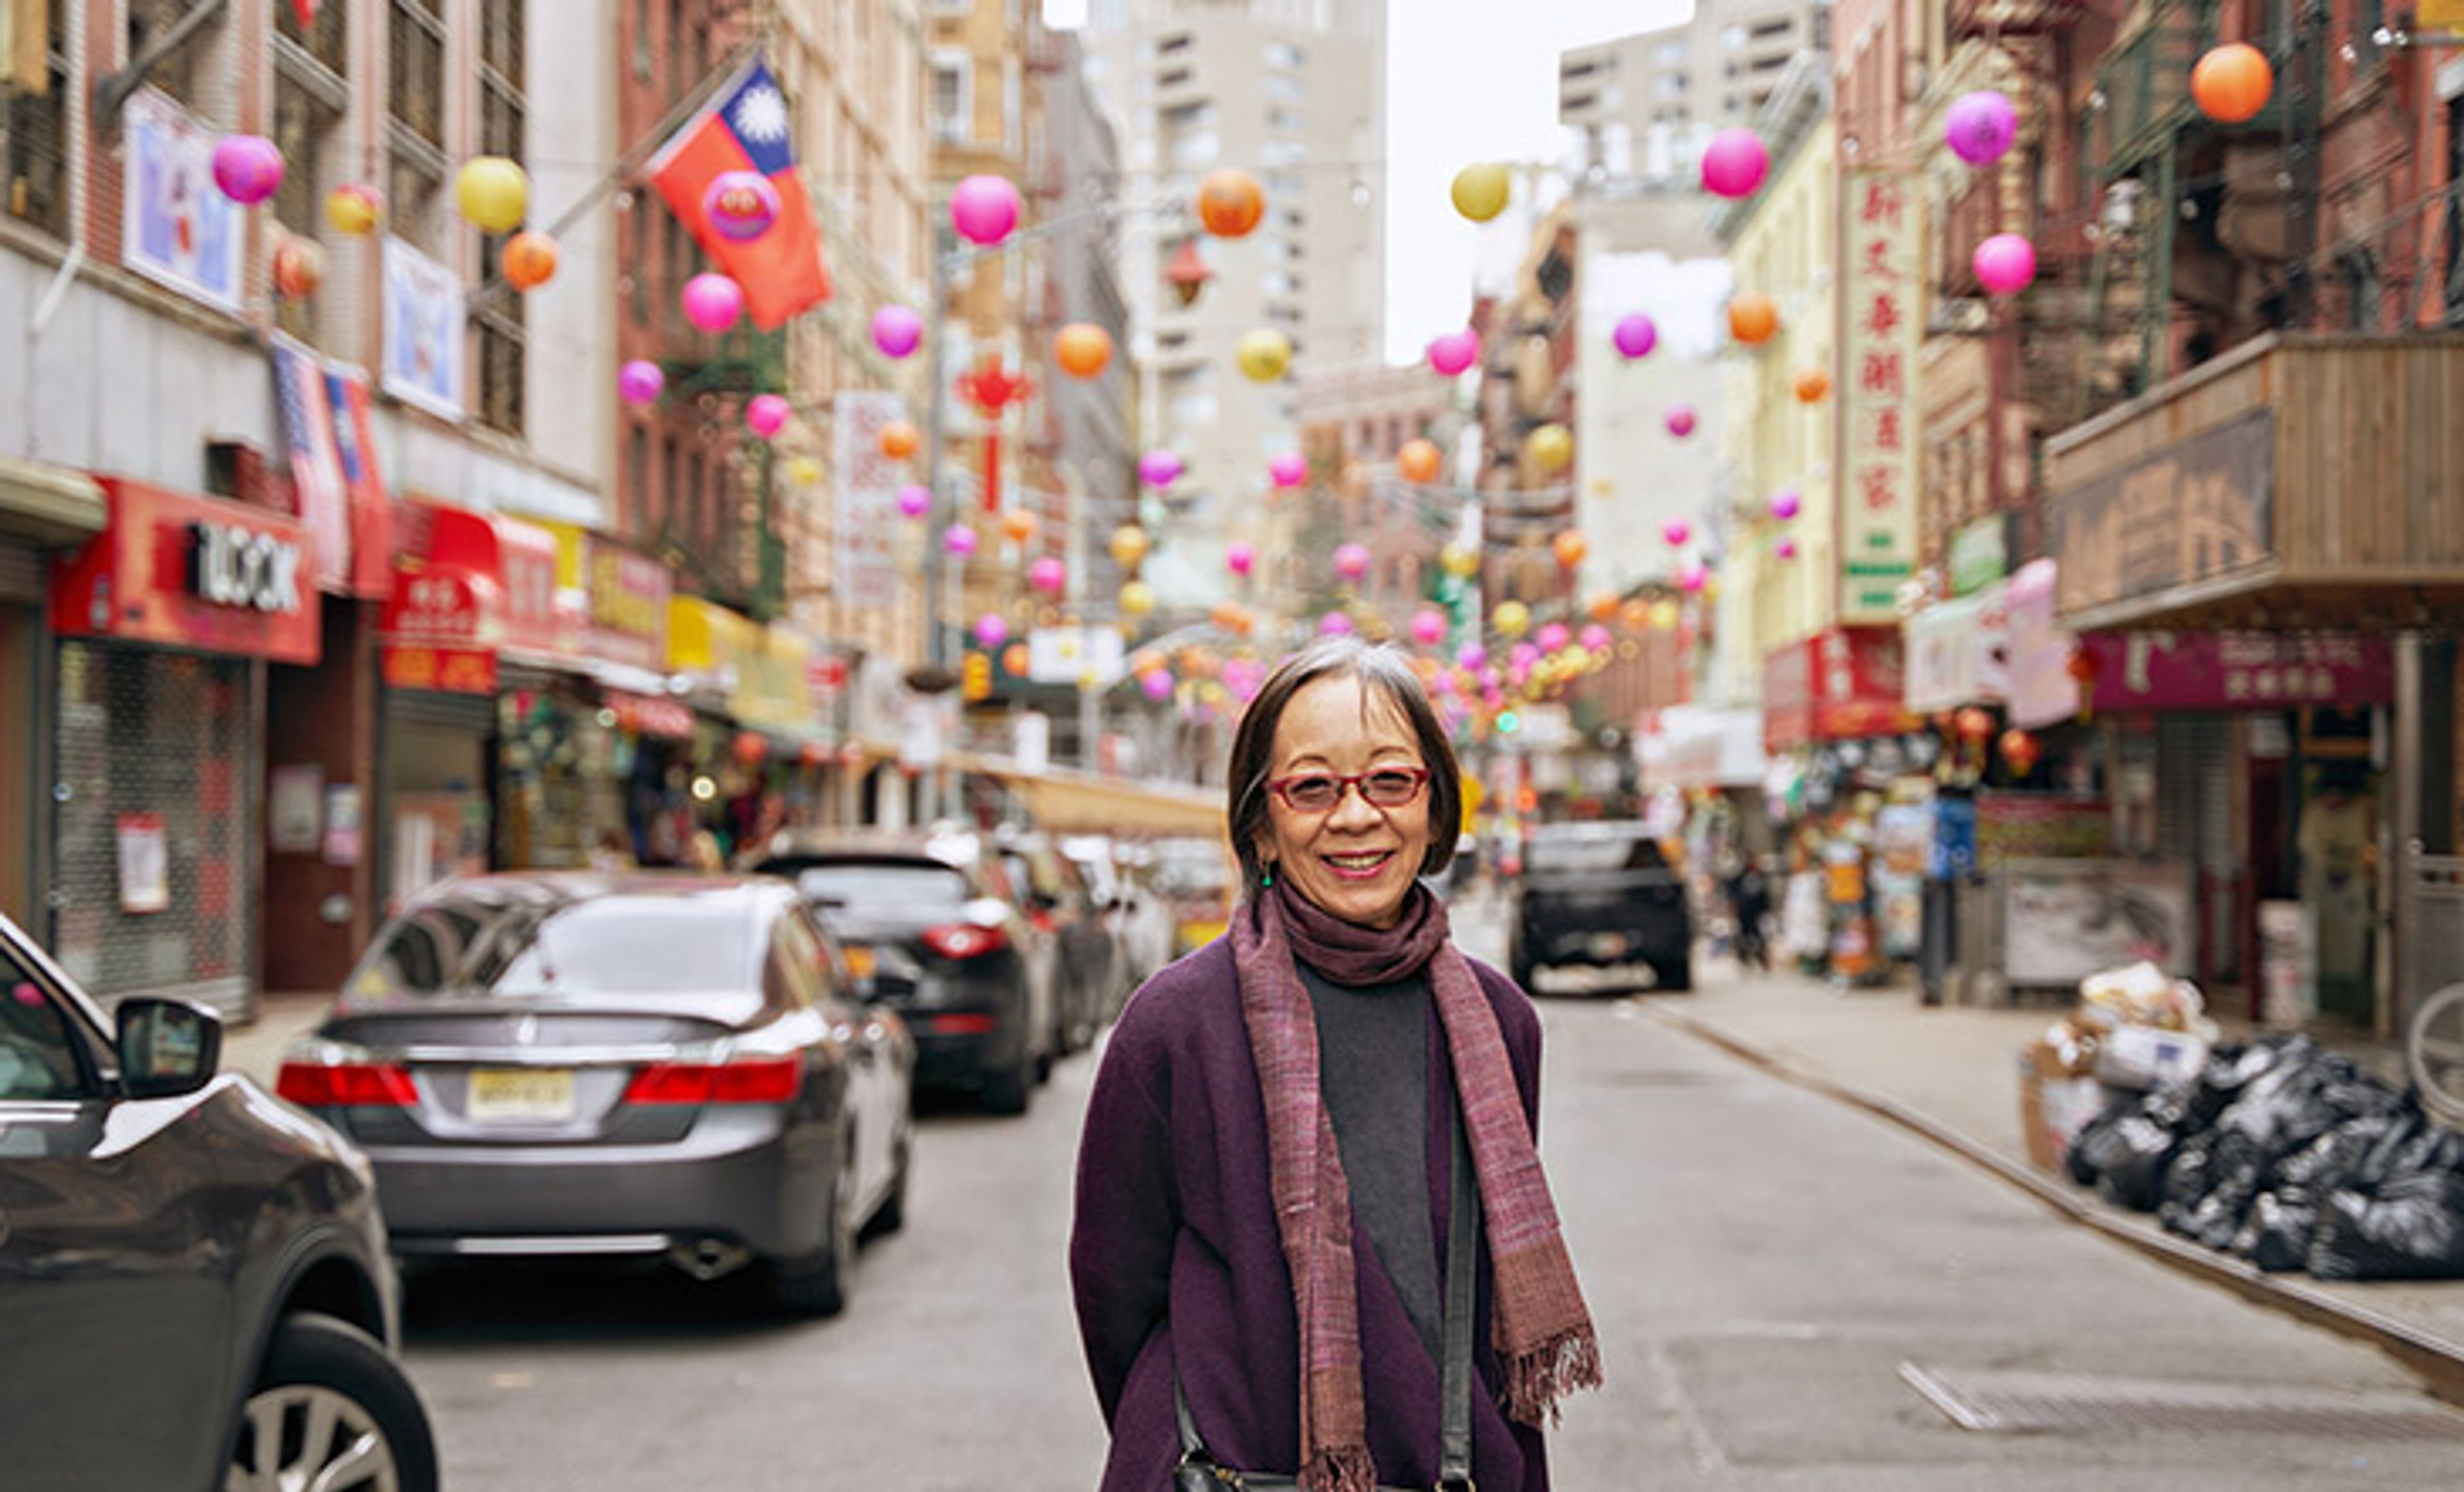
{"points": [[2412, 1228], [2238, 1169], [2285, 1107], [2186, 1178], [2132, 1152], [2284, 1219], [2084, 1158], [2230, 1070]]}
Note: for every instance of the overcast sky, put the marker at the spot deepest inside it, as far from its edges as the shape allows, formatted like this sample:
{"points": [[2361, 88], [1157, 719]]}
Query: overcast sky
{"points": [[1473, 80]]}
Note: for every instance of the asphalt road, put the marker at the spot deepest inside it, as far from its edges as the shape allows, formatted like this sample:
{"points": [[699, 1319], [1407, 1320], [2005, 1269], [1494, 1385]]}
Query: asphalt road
{"points": [[1766, 1266]]}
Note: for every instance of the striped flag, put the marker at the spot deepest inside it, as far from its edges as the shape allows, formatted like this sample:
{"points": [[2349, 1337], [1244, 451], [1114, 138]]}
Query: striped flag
{"points": [[316, 466], [346, 395]]}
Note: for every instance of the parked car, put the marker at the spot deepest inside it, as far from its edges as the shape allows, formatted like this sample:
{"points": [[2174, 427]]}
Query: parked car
{"points": [[1601, 894], [194, 1288], [939, 932], [1141, 923], [559, 1064], [1060, 902], [1196, 880]]}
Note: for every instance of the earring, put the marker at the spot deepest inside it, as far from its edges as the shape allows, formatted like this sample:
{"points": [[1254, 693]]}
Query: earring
{"points": [[1266, 876]]}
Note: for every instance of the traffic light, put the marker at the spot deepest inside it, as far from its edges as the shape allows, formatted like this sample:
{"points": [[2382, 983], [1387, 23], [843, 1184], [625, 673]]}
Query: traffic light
{"points": [[976, 677]]}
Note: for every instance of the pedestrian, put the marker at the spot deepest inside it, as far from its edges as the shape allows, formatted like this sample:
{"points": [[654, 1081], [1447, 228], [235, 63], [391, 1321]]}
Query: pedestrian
{"points": [[1750, 904], [1264, 1193]]}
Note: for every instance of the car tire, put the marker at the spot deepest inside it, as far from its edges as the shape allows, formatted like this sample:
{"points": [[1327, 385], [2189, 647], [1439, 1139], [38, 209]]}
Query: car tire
{"points": [[892, 1215], [819, 1284], [1010, 1093], [1677, 978], [1522, 971], [318, 1368]]}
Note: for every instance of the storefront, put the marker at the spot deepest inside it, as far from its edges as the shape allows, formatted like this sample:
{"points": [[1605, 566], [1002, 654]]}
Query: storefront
{"points": [[42, 508], [166, 622]]}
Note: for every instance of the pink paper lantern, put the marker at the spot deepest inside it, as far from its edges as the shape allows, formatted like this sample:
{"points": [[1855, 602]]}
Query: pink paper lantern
{"points": [[991, 630], [1288, 470], [1734, 163], [1692, 578], [1428, 627], [914, 498], [983, 209], [1472, 657], [2005, 264], [1635, 335], [1240, 557], [897, 331], [1522, 655], [1156, 685], [1980, 126], [1334, 623], [1681, 421], [1047, 575], [640, 382], [1786, 505], [247, 168], [1594, 637], [713, 301], [960, 539], [1159, 468], [1552, 637], [1677, 531], [741, 205], [766, 414], [1785, 549], [1455, 351], [1350, 561]]}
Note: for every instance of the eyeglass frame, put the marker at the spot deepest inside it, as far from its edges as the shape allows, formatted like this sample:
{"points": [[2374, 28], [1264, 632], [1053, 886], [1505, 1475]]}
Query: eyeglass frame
{"points": [[1357, 781]]}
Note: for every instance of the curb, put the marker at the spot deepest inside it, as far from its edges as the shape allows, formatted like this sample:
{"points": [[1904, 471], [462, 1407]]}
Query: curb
{"points": [[2439, 1362]]}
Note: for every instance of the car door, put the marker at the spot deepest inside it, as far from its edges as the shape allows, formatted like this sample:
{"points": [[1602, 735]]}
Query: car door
{"points": [[116, 1303], [857, 1038]]}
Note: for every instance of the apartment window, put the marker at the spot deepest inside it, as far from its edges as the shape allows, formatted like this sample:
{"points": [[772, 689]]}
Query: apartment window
{"points": [[1189, 393], [1732, 38], [415, 39], [670, 499], [1177, 78], [1171, 44], [954, 91], [1198, 150], [327, 42], [1284, 88], [1289, 120], [499, 313], [1189, 115], [641, 39], [1285, 315], [1281, 250], [1286, 184], [1669, 85], [34, 140], [1280, 282], [1286, 56], [1283, 152], [637, 279], [1668, 53], [637, 479], [309, 101], [187, 70]]}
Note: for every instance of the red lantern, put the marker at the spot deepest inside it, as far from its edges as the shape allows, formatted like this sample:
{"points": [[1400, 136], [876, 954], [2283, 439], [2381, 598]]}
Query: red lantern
{"points": [[2020, 750], [751, 746], [2081, 667], [1973, 724]]}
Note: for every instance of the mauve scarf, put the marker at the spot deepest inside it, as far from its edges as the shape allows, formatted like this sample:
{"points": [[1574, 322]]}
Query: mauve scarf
{"points": [[1543, 1335]]}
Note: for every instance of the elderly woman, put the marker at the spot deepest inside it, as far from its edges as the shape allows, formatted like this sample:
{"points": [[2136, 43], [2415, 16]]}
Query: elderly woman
{"points": [[1264, 1193]]}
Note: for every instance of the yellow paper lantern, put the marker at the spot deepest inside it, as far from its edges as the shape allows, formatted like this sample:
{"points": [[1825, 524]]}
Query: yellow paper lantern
{"points": [[354, 208], [493, 193], [1264, 355], [1136, 599], [1552, 447], [1480, 191], [1130, 545], [804, 471], [1460, 560], [1663, 616], [1511, 618]]}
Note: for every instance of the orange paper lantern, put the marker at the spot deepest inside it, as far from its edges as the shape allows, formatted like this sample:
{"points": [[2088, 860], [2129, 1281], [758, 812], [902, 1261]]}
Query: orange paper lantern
{"points": [[1810, 385], [1570, 548], [1082, 350], [2020, 750], [1602, 605], [1752, 317], [1419, 461], [1018, 525], [1014, 659], [528, 260], [1230, 202], [2231, 83], [1635, 615], [899, 440]]}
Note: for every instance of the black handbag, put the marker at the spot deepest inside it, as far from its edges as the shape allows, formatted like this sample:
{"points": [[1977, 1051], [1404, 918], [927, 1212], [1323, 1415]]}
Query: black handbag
{"points": [[1198, 1471]]}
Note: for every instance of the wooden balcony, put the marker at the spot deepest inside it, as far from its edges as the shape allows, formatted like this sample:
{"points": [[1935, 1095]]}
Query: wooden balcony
{"points": [[2297, 482]]}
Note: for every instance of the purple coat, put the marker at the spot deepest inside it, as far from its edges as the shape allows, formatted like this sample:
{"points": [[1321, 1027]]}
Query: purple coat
{"points": [[1175, 1256]]}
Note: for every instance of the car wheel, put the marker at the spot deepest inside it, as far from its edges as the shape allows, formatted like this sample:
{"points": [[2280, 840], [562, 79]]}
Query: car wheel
{"points": [[818, 1283], [331, 1409], [1677, 978], [892, 1215], [1009, 1093], [1523, 969]]}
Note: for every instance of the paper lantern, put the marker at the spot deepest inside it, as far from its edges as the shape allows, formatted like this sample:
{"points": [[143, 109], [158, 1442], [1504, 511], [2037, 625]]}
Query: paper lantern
{"points": [[1428, 627], [1480, 191], [983, 209], [1551, 446], [1129, 546], [1691, 577], [1635, 335], [1018, 525], [960, 539], [1419, 461], [354, 208], [1288, 470], [640, 382], [1980, 126], [1230, 202], [1335, 624], [1665, 616], [1752, 317], [1240, 557], [1471, 657], [1047, 575], [1594, 637], [991, 630], [1452, 351], [247, 168], [1681, 421], [2005, 263], [2231, 83], [1784, 549], [915, 499], [1156, 686], [1809, 385], [1635, 615], [1159, 468], [1600, 606], [713, 301], [1350, 561], [1972, 723], [1016, 660], [766, 414], [804, 471], [2020, 750], [1459, 561], [528, 260], [749, 747], [1136, 598], [1552, 637], [1569, 548], [1511, 618], [299, 266], [1786, 504], [741, 205], [898, 439], [1082, 350], [896, 331], [1734, 163], [492, 193], [1676, 531], [1264, 355]]}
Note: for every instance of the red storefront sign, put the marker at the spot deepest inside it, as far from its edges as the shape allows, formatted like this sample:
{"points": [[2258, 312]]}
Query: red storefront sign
{"points": [[1843, 684], [185, 571], [646, 716], [2237, 671], [467, 585]]}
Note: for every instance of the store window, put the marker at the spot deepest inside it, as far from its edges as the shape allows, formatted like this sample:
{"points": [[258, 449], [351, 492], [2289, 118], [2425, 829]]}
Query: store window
{"points": [[34, 140]]}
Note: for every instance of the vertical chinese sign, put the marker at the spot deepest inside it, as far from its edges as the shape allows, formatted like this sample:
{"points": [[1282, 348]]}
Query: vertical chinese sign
{"points": [[867, 499], [1882, 311]]}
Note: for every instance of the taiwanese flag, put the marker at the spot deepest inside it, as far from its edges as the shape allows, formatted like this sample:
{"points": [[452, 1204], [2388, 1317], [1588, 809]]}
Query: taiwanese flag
{"points": [[746, 127]]}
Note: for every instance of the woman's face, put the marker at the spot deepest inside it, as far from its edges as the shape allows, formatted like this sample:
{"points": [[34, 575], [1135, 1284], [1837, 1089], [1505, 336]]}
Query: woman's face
{"points": [[1355, 859]]}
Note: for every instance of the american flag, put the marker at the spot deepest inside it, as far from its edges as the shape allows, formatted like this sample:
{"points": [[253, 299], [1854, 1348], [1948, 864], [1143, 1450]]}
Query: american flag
{"points": [[315, 465], [347, 392]]}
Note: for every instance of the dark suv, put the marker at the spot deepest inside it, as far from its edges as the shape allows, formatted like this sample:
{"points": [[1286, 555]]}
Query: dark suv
{"points": [[1601, 894], [194, 1290]]}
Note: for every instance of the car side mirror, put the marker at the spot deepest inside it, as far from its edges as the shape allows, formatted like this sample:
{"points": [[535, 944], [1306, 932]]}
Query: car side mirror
{"points": [[167, 1047]]}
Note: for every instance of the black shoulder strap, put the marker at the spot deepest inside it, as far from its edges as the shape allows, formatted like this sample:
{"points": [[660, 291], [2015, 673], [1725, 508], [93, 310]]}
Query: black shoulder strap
{"points": [[1463, 1271]]}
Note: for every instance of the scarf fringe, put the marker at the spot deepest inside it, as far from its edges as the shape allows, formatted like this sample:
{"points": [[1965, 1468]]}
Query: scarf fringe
{"points": [[1339, 1468], [1537, 1379]]}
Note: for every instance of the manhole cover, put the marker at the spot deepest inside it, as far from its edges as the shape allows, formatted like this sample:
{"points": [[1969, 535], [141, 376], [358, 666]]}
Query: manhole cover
{"points": [[1992, 1399]]}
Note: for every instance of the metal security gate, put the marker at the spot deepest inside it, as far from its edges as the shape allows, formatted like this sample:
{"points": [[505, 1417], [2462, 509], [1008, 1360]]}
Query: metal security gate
{"points": [[155, 851], [2434, 921]]}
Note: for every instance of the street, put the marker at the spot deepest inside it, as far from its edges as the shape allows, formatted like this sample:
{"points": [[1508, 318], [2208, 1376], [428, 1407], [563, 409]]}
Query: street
{"points": [[1763, 1263]]}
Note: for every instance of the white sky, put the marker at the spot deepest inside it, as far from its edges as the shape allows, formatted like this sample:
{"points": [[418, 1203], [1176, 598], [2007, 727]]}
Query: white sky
{"points": [[1473, 80]]}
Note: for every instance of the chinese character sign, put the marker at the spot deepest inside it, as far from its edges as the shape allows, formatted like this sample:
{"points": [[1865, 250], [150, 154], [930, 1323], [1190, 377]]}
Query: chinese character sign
{"points": [[1882, 228], [868, 497]]}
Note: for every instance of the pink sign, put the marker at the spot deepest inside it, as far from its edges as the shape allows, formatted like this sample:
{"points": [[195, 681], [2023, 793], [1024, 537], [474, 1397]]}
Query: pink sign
{"points": [[2238, 671]]}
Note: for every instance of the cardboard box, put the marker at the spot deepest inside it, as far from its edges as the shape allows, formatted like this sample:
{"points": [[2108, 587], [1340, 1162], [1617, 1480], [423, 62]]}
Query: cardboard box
{"points": [[2056, 1099], [2142, 1057]]}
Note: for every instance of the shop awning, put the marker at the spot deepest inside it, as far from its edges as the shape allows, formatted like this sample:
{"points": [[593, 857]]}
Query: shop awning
{"points": [[187, 571], [468, 588], [1958, 652], [1695, 746], [50, 504], [1845, 683], [1063, 802]]}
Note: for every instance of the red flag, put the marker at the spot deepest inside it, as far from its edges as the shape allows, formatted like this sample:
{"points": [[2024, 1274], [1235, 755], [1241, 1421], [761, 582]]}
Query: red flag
{"points": [[306, 11], [747, 128]]}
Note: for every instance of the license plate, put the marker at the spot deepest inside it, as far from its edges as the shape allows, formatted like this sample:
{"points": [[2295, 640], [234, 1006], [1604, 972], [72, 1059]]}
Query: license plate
{"points": [[522, 1095], [859, 961]]}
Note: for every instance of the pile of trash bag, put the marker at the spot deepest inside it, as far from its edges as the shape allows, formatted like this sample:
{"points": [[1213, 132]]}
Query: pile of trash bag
{"points": [[2290, 1157]]}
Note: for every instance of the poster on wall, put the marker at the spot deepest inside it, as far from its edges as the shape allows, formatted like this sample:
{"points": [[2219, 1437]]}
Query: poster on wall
{"points": [[295, 802], [422, 331], [177, 229], [144, 864], [2064, 920], [343, 824]]}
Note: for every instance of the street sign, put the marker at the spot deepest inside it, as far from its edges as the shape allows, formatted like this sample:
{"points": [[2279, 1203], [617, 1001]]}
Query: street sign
{"points": [[1067, 654]]}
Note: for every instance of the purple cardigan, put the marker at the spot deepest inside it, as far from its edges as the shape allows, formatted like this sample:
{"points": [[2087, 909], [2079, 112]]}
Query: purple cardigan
{"points": [[1175, 1256]]}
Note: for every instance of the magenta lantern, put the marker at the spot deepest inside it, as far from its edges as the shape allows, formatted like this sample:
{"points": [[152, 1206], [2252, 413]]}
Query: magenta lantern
{"points": [[896, 331], [983, 209], [766, 414], [1692, 578], [1681, 421], [713, 301], [959, 539], [1980, 126], [1240, 557], [1552, 637], [1635, 335], [1594, 637], [640, 382], [1156, 684], [1334, 623], [991, 630], [247, 168], [1159, 468], [1472, 657], [1047, 575], [1734, 163], [1455, 351], [741, 205], [1350, 561], [2005, 264], [914, 498], [1786, 504], [1677, 531], [1522, 655], [1785, 549], [1428, 627], [1288, 470]]}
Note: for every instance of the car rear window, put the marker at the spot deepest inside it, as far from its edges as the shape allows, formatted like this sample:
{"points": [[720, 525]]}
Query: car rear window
{"points": [[615, 946], [879, 884], [1578, 852]]}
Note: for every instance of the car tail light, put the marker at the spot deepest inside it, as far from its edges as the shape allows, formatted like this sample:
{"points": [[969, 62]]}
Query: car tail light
{"points": [[368, 1085], [960, 1024], [964, 940], [747, 1080]]}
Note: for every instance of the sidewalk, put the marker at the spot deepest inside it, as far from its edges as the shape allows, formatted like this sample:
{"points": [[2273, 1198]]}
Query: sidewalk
{"points": [[256, 1047], [1951, 1073]]}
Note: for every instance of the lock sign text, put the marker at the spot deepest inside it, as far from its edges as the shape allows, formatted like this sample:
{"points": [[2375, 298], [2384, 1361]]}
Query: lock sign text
{"points": [[234, 566]]}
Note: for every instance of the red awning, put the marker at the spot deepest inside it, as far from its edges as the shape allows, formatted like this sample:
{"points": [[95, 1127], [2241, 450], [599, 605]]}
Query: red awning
{"points": [[187, 571], [1843, 684], [466, 587]]}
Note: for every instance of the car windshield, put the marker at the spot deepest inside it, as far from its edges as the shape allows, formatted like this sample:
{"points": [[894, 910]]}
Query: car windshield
{"points": [[872, 884], [1591, 849], [615, 945]]}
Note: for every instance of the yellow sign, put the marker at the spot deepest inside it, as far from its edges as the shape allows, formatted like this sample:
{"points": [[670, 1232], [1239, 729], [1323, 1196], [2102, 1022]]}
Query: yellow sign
{"points": [[2437, 15]]}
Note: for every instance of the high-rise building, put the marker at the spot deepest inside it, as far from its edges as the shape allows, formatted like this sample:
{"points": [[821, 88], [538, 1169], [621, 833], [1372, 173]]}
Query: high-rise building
{"points": [[1645, 103]]}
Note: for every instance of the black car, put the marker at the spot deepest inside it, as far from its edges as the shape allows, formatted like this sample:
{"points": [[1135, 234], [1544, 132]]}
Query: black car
{"points": [[1601, 894], [934, 930], [1087, 978], [194, 1287]]}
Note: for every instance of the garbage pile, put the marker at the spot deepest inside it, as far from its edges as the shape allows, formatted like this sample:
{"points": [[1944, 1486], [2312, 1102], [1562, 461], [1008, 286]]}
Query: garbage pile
{"points": [[2279, 1152]]}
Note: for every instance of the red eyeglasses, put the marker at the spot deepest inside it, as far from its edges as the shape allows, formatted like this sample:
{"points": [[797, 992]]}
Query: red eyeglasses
{"points": [[1318, 792]]}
